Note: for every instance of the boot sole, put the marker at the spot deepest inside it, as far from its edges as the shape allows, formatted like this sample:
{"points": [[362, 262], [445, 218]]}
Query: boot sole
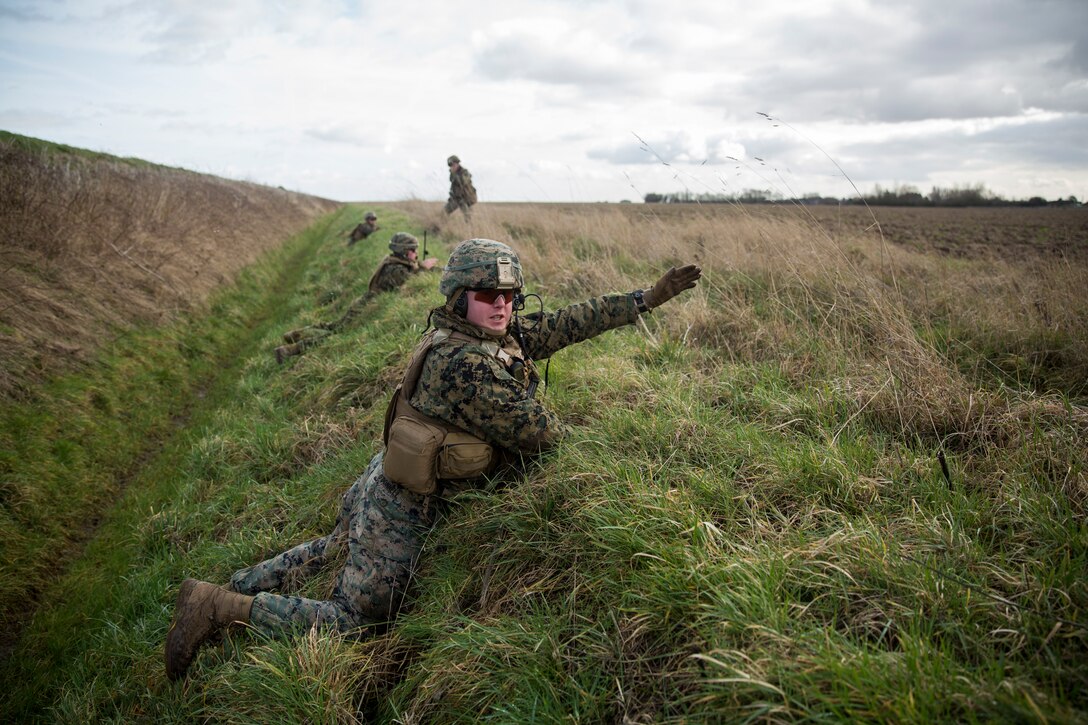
{"points": [[176, 670]]}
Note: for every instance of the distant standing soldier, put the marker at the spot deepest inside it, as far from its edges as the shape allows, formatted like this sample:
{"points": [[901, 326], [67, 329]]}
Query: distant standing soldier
{"points": [[393, 271], [465, 404], [364, 230], [462, 192]]}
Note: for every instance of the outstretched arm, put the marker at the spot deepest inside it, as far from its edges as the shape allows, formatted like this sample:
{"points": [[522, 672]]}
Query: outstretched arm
{"points": [[586, 320]]}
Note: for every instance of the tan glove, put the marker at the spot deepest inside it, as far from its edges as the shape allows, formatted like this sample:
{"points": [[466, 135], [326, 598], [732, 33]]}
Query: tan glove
{"points": [[671, 284]]}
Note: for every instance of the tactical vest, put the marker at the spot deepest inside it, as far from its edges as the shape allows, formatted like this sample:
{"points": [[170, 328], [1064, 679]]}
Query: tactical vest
{"points": [[372, 285], [420, 450]]}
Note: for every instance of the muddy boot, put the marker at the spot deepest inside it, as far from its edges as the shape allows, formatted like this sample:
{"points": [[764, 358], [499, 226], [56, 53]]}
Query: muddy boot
{"points": [[201, 610], [292, 336]]}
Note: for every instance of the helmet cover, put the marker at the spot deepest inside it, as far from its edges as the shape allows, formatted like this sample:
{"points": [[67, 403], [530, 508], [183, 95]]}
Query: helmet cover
{"points": [[481, 264]]}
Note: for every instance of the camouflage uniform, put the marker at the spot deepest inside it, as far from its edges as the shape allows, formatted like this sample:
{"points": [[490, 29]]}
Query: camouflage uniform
{"points": [[462, 383], [393, 271], [383, 526], [365, 229], [362, 231], [462, 192]]}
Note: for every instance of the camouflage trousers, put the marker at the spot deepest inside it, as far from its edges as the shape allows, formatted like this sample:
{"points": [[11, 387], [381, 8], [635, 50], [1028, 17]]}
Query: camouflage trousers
{"points": [[383, 526], [313, 334], [453, 205]]}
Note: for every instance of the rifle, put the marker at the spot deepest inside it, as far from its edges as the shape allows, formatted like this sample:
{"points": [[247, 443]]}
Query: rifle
{"points": [[424, 243]]}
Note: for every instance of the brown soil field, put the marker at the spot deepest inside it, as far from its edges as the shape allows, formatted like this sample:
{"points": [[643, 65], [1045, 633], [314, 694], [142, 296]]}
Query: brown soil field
{"points": [[92, 245], [1009, 233]]}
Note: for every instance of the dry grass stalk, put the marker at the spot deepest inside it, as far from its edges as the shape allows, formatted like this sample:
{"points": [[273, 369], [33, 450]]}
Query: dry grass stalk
{"points": [[843, 298], [92, 247]]}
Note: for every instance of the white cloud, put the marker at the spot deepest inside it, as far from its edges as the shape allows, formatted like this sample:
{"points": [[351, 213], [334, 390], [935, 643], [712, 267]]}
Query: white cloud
{"points": [[543, 99], [552, 51]]}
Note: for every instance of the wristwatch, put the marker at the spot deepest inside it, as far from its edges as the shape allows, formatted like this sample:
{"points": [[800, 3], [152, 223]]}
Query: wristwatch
{"points": [[640, 302]]}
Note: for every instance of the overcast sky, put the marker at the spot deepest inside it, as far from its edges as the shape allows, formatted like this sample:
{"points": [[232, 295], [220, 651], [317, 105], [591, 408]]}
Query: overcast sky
{"points": [[579, 100]]}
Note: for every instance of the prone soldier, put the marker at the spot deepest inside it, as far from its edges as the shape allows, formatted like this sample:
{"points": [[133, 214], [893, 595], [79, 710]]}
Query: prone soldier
{"points": [[364, 230], [466, 404], [393, 271]]}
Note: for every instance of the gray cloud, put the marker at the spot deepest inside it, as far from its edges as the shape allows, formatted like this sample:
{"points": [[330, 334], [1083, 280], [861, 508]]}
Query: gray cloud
{"points": [[552, 55], [938, 60], [1056, 144], [676, 148], [1077, 58], [340, 135], [23, 12]]}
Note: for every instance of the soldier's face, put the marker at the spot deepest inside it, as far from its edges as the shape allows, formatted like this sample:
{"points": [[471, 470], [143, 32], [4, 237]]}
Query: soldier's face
{"points": [[411, 255], [494, 315]]}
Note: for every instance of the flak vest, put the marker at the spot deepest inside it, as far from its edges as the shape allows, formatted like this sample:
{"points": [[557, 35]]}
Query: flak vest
{"points": [[421, 451], [372, 285]]}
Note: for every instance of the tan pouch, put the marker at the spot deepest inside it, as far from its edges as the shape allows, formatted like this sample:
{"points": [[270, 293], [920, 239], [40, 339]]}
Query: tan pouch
{"points": [[463, 456], [411, 453]]}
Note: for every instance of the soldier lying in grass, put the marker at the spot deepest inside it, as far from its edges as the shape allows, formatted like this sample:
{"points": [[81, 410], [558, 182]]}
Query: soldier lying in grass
{"points": [[364, 230], [393, 271], [466, 405]]}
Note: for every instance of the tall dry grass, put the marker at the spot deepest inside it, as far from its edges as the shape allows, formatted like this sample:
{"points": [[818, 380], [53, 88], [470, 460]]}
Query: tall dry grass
{"points": [[91, 246], [927, 345]]}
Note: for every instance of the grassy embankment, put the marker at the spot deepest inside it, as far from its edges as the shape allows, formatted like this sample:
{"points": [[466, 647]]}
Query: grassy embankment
{"points": [[122, 430], [751, 520], [96, 251]]}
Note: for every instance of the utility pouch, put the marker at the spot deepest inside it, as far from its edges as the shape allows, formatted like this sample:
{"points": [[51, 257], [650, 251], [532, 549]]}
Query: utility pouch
{"points": [[411, 454], [463, 455], [420, 451]]}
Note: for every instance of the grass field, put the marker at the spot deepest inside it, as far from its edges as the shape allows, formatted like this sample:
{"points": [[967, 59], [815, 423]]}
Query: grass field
{"points": [[842, 480]]}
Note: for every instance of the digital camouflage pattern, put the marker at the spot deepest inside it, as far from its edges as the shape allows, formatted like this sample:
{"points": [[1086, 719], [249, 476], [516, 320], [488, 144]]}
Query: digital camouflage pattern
{"points": [[383, 527], [478, 387], [402, 242], [392, 272], [472, 266], [362, 231], [471, 387], [481, 385]]}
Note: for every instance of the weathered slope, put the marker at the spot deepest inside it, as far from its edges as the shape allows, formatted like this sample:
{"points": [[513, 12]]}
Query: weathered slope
{"points": [[92, 245]]}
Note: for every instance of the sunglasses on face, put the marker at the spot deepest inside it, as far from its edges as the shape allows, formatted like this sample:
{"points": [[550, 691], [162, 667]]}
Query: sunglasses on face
{"points": [[488, 296]]}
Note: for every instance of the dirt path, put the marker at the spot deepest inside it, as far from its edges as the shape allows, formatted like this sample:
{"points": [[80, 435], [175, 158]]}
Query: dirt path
{"points": [[229, 362]]}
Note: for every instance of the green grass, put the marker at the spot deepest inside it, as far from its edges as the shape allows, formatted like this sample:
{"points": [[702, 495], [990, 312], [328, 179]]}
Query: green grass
{"points": [[723, 538], [29, 143]]}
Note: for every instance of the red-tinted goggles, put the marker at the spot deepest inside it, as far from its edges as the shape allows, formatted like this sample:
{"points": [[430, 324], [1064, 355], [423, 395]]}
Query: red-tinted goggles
{"points": [[488, 296]]}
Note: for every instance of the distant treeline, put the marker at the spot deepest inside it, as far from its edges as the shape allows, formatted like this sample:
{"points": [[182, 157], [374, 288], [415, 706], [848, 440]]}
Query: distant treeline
{"points": [[904, 195]]}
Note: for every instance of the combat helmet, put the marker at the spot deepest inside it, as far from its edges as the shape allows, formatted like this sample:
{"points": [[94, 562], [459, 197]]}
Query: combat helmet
{"points": [[480, 264], [453, 160], [370, 215], [402, 242]]}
